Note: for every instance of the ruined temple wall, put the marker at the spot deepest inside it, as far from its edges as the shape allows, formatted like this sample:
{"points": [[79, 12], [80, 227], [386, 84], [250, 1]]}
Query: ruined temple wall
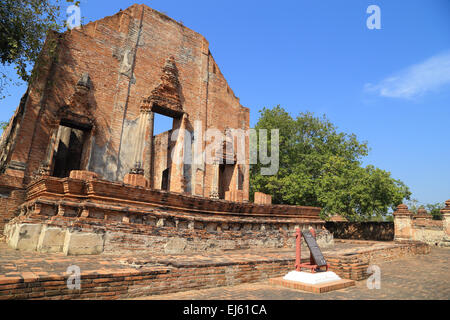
{"points": [[231, 115], [76, 52], [124, 55]]}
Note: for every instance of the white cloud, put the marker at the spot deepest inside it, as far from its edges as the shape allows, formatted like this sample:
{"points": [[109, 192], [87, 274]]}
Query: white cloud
{"points": [[416, 80]]}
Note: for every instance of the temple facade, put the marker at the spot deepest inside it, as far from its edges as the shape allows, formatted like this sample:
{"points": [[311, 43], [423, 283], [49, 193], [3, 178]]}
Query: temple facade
{"points": [[93, 104], [83, 172]]}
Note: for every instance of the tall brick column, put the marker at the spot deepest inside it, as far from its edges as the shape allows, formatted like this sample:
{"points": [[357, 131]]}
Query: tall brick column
{"points": [[8, 207], [403, 223], [148, 166], [146, 125], [140, 138]]}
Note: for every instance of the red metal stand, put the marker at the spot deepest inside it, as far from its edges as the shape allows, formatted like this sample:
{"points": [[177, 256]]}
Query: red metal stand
{"points": [[298, 246]]}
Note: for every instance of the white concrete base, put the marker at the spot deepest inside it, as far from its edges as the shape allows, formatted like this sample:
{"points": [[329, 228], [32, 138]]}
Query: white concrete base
{"points": [[312, 278]]}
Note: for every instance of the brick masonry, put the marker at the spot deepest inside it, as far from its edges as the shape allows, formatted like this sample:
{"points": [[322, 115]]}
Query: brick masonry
{"points": [[377, 231], [103, 78], [82, 144], [353, 264], [93, 216], [263, 198], [399, 281], [8, 206], [135, 283]]}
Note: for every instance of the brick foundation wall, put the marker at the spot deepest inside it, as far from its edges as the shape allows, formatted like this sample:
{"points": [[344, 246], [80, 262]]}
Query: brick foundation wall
{"points": [[376, 231], [263, 198], [114, 217], [165, 236]]}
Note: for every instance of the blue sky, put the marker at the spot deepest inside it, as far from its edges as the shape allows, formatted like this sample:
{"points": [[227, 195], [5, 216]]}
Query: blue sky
{"points": [[390, 87]]}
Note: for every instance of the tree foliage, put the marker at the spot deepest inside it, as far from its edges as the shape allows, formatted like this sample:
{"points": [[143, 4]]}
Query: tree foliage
{"points": [[433, 208], [320, 166], [23, 27]]}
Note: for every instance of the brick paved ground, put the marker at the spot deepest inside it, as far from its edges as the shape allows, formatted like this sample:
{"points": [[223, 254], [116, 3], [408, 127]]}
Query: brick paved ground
{"points": [[419, 277], [16, 263], [31, 264]]}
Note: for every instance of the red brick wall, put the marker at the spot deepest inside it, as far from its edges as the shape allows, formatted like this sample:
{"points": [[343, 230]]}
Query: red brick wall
{"points": [[377, 231], [144, 39], [8, 207]]}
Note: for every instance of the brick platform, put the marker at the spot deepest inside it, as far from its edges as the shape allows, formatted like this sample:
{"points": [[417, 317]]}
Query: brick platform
{"points": [[93, 216], [30, 275]]}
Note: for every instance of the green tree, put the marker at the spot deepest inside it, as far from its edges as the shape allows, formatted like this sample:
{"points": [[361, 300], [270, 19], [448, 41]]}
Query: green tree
{"points": [[320, 166], [359, 193], [413, 205], [435, 210], [24, 25]]}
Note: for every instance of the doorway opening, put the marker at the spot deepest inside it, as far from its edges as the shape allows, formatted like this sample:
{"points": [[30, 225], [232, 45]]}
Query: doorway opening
{"points": [[69, 148], [225, 177], [165, 180], [162, 148]]}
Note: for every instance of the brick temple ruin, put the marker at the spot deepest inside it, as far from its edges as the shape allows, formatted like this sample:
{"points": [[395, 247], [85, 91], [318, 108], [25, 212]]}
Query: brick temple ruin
{"points": [[81, 171]]}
